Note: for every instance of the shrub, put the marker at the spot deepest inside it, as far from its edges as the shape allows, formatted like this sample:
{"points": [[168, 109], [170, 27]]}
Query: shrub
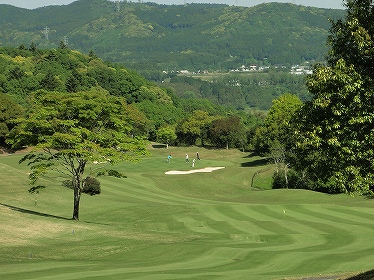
{"points": [[91, 186], [115, 173], [101, 173], [279, 181], [295, 181], [111, 172]]}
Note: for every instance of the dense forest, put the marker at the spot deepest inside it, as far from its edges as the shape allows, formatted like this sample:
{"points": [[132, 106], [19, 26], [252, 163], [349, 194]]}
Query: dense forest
{"points": [[151, 38], [241, 91], [152, 110], [159, 41]]}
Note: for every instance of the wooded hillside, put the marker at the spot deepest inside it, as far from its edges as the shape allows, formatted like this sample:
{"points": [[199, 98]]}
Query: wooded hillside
{"points": [[196, 37], [29, 72]]}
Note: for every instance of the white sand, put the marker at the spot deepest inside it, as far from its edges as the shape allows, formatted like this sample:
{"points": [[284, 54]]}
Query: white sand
{"points": [[206, 169]]}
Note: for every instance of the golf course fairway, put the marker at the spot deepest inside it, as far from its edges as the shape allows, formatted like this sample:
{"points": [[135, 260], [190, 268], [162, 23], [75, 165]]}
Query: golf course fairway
{"points": [[198, 225]]}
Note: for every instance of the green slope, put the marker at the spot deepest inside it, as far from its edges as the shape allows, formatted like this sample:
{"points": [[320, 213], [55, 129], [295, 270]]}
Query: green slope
{"points": [[198, 226]]}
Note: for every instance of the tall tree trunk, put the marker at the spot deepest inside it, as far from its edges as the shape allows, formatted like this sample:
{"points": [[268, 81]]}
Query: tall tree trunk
{"points": [[78, 187], [77, 198], [285, 174]]}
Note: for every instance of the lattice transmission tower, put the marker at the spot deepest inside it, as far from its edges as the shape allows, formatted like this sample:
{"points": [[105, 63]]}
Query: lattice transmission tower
{"points": [[46, 32], [65, 40], [118, 6]]}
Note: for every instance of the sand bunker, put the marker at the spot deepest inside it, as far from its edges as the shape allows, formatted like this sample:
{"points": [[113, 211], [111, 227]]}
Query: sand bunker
{"points": [[204, 170]]}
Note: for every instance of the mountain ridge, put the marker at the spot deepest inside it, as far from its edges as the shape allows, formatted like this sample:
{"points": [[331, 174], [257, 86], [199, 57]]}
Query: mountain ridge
{"points": [[192, 36]]}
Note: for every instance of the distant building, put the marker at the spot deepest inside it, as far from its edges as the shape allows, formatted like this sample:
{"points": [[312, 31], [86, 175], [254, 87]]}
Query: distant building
{"points": [[301, 70]]}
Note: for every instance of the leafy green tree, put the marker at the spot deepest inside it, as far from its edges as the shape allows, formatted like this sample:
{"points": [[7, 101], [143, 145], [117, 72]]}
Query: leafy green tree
{"points": [[155, 93], [160, 114], [32, 47], [71, 130], [75, 82], [9, 111], [49, 82], [137, 119], [63, 45], [334, 131], [276, 128], [118, 81], [227, 131], [16, 73], [194, 127], [166, 135]]}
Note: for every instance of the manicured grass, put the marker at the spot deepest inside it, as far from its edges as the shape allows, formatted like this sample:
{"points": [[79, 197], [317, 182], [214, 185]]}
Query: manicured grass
{"points": [[197, 226]]}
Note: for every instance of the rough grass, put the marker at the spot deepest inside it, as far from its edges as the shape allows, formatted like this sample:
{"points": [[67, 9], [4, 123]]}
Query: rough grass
{"points": [[196, 226]]}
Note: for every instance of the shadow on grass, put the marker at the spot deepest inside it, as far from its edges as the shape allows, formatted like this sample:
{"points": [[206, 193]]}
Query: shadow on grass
{"points": [[369, 275], [159, 146], [255, 163], [31, 212]]}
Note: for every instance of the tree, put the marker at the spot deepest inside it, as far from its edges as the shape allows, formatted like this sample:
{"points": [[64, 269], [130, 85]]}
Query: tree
{"points": [[71, 130], [276, 128], [194, 127], [32, 47], [159, 115], [49, 82], [9, 111], [63, 45], [227, 131], [335, 130], [166, 135], [273, 138], [74, 82], [16, 73]]}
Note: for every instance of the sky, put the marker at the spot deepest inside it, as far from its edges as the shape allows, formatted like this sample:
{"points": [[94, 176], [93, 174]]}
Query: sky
{"points": [[330, 4]]}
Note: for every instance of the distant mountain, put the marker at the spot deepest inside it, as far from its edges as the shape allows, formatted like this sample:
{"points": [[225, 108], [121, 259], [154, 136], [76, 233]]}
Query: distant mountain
{"points": [[165, 37]]}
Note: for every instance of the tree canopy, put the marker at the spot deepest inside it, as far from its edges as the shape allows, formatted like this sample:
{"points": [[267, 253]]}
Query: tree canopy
{"points": [[9, 111], [71, 130], [335, 130], [276, 127], [228, 131]]}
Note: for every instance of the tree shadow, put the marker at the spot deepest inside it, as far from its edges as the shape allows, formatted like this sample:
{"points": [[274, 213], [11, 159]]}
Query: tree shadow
{"points": [[31, 212], [252, 154], [368, 275], [255, 163], [6, 150], [159, 146]]}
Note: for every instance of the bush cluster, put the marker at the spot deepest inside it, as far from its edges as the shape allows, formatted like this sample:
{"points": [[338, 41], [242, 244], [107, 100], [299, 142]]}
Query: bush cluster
{"points": [[91, 185], [294, 181]]}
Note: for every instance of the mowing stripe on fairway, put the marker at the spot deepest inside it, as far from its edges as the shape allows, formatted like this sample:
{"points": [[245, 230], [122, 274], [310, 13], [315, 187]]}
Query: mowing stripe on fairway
{"points": [[201, 226]]}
